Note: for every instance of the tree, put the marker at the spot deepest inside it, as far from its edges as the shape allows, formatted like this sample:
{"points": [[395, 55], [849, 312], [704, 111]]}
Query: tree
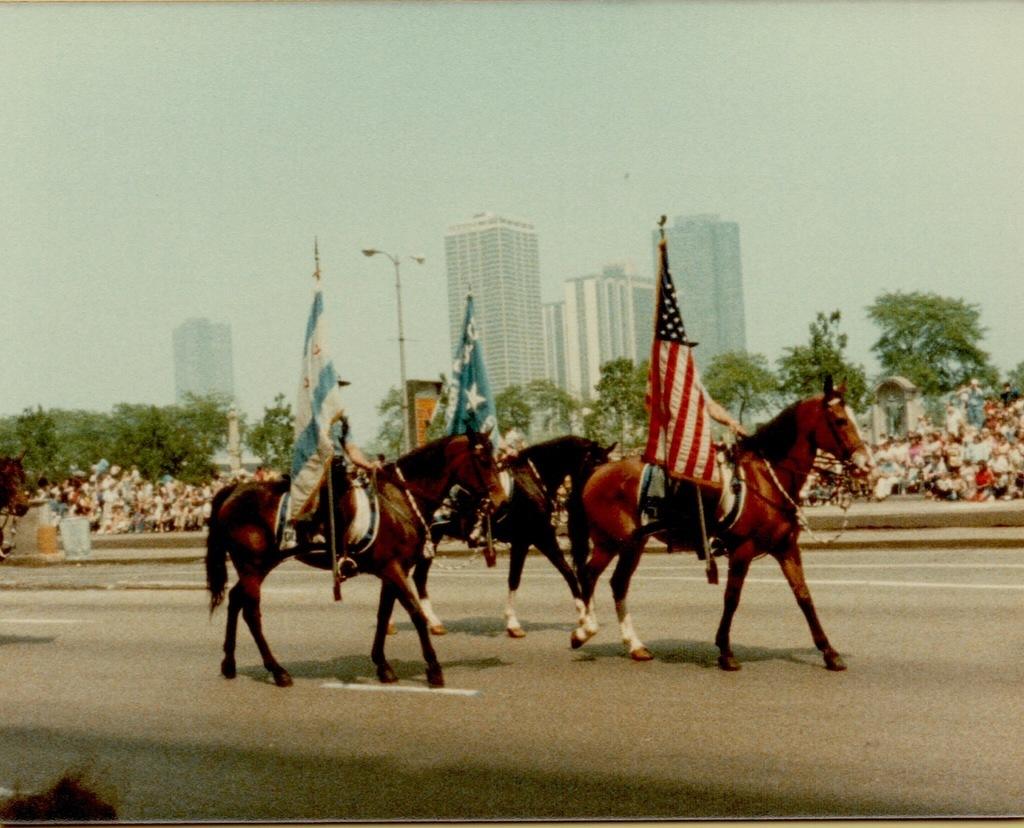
{"points": [[741, 382], [554, 407], [271, 438], [803, 368], [205, 416], [149, 437], [931, 340], [391, 433], [618, 414], [513, 409], [35, 431]]}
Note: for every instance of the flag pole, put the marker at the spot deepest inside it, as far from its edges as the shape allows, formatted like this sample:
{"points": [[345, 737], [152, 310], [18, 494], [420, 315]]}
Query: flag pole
{"points": [[710, 567], [663, 267], [331, 534]]}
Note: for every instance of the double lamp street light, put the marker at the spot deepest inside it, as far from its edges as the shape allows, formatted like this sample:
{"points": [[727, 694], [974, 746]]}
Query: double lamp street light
{"points": [[402, 391]]}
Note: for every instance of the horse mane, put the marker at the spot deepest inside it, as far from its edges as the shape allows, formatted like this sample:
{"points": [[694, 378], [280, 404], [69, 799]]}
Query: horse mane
{"points": [[774, 439], [423, 459]]}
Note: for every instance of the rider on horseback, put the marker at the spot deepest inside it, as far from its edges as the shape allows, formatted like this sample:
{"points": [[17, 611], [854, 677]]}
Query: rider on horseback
{"points": [[347, 459]]}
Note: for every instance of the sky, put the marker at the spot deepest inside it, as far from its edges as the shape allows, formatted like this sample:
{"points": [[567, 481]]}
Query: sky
{"points": [[166, 161]]}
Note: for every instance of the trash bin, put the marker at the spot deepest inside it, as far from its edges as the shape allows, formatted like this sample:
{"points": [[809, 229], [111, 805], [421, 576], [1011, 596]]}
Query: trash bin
{"points": [[46, 540], [75, 537]]}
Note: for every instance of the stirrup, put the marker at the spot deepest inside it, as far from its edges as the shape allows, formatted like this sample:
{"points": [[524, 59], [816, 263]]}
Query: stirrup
{"points": [[347, 568]]}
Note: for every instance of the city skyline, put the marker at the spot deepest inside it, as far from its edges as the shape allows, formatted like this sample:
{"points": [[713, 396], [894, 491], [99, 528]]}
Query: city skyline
{"points": [[163, 161]]}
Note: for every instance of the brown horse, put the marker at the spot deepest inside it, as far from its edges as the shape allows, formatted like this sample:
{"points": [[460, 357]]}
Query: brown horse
{"points": [[14, 499], [773, 463], [242, 524]]}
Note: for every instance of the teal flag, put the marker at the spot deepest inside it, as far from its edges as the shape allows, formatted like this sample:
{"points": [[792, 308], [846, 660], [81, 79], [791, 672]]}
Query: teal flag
{"points": [[470, 402]]}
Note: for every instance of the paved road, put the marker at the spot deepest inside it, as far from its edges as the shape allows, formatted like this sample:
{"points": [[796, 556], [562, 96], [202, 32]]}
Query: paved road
{"points": [[119, 677]]}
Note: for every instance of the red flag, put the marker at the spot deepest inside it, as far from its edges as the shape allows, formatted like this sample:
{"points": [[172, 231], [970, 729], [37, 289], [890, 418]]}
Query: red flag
{"points": [[679, 431]]}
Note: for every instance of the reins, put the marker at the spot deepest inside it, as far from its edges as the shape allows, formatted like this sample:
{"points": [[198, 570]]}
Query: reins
{"points": [[428, 545], [799, 512]]}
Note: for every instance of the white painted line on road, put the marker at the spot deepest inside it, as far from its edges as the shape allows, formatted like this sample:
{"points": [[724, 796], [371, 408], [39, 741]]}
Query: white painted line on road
{"points": [[399, 688], [817, 582]]}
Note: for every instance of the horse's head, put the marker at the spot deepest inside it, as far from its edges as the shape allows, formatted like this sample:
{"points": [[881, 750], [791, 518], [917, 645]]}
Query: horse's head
{"points": [[13, 497], [471, 460], [837, 434], [596, 455]]}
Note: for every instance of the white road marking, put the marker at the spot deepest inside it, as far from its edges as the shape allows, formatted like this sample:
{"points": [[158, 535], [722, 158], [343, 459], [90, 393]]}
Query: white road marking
{"points": [[779, 579], [399, 688]]}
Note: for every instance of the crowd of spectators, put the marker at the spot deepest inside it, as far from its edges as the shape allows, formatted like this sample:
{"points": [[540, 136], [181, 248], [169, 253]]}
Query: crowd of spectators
{"points": [[117, 500], [975, 454]]}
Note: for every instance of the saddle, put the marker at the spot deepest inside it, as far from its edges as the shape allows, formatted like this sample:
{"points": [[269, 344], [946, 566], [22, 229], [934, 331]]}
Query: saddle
{"points": [[669, 507], [358, 535]]}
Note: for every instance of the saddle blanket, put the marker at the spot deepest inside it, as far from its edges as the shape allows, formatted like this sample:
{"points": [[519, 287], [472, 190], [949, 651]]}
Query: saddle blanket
{"points": [[653, 496], [361, 531]]}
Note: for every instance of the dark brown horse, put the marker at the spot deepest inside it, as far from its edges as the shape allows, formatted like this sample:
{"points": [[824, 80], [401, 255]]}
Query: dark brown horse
{"points": [[528, 519], [242, 525], [13, 497], [773, 463]]}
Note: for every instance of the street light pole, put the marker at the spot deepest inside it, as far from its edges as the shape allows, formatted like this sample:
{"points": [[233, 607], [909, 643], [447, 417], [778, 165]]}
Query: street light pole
{"points": [[402, 391]]}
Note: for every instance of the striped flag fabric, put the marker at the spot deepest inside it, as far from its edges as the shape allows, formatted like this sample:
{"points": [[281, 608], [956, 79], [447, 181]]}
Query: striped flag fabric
{"points": [[317, 403], [679, 429], [470, 402]]}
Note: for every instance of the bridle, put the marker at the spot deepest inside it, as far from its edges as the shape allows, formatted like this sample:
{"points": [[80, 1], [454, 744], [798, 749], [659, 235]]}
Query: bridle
{"points": [[823, 468]]}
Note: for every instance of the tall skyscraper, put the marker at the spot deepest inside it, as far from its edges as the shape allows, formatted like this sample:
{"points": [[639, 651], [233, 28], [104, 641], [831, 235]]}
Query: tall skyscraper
{"points": [[497, 258], [704, 257], [554, 342], [203, 362], [606, 316]]}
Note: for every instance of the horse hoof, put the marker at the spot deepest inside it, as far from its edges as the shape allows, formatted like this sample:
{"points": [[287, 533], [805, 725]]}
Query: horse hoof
{"points": [[435, 678], [386, 674], [439, 629], [392, 629], [576, 641], [516, 632], [641, 654], [834, 663], [728, 663], [282, 679], [227, 669]]}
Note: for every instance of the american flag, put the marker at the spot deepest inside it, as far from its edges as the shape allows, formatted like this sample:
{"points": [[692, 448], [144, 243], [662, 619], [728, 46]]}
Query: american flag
{"points": [[679, 432]]}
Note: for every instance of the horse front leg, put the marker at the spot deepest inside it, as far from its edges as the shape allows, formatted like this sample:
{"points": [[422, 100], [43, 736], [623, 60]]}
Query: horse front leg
{"points": [[393, 575], [587, 625], [516, 561], [553, 552], [793, 569], [739, 564], [384, 609], [419, 579], [623, 574], [250, 592]]}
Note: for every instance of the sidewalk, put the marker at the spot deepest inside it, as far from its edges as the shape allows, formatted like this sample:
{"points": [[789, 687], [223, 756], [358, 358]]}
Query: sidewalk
{"points": [[896, 523]]}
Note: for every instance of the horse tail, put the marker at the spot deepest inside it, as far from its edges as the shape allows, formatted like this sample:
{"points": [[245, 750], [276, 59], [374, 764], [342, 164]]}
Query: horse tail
{"points": [[217, 550]]}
